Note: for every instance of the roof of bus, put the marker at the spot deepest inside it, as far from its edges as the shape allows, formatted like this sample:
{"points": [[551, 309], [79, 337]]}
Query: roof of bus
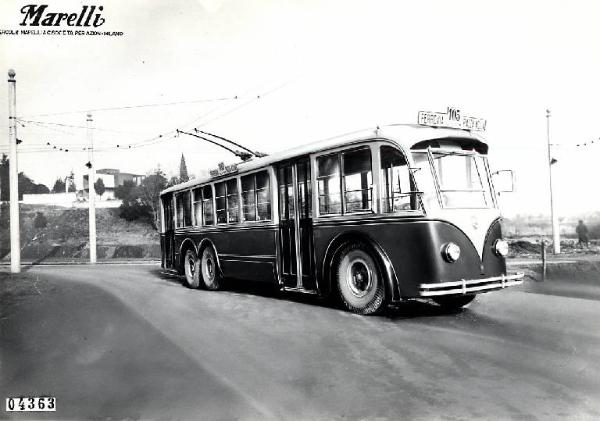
{"points": [[405, 135]]}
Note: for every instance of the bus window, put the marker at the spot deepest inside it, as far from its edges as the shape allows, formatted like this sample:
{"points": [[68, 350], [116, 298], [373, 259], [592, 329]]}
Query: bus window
{"points": [[249, 197], [463, 180], [358, 181], [220, 202], [256, 197], [184, 211], [263, 196], [328, 179], [197, 201], [395, 179], [304, 191], [233, 210], [207, 205]]}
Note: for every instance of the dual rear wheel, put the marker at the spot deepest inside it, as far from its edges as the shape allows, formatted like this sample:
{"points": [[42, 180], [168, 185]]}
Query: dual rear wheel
{"points": [[202, 271]]}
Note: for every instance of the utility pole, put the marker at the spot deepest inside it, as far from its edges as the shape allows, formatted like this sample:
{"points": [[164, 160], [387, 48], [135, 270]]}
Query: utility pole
{"points": [[554, 215], [92, 193], [15, 240]]}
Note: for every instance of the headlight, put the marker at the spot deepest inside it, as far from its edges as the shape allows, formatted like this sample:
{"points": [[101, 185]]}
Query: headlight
{"points": [[451, 252], [501, 247]]}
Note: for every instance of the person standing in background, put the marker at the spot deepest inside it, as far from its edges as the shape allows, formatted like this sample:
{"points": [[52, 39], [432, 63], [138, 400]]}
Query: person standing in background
{"points": [[582, 234]]}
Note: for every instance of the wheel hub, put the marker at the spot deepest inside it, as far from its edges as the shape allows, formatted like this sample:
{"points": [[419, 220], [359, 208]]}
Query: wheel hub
{"points": [[359, 278]]}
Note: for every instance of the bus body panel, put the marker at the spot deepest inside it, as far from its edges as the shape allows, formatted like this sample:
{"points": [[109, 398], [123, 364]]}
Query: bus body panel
{"points": [[237, 248], [414, 248]]}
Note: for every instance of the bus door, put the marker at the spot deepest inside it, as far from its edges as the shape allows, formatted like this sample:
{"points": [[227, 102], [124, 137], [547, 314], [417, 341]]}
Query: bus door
{"points": [[295, 226], [168, 240]]}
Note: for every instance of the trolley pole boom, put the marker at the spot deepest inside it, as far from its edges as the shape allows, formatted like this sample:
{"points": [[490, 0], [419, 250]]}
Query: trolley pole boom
{"points": [[15, 236], [244, 156], [257, 154]]}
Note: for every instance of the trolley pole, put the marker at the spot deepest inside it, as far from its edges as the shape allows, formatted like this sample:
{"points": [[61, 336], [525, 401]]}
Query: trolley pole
{"points": [[92, 192], [15, 235], [554, 215]]}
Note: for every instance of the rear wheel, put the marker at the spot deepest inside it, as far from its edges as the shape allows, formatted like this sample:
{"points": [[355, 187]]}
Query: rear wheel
{"points": [[191, 269], [359, 282], [454, 302], [210, 271]]}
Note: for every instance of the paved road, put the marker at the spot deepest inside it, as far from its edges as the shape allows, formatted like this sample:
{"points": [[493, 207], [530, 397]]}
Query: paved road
{"points": [[128, 341]]}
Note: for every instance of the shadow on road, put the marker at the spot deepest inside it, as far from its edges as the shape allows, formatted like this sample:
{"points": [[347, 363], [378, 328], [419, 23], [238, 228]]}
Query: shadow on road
{"points": [[396, 311]]}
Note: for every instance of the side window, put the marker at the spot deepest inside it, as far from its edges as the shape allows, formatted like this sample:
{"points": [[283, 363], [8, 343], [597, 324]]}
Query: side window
{"points": [[328, 181], [263, 196], [220, 203], [397, 186], [256, 197], [233, 209], [168, 212], [207, 205], [197, 200], [358, 181], [304, 190], [249, 197], [350, 170], [184, 211]]}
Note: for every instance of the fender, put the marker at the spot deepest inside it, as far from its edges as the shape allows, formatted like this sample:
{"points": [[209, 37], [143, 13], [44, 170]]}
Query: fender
{"points": [[185, 244], [336, 244], [205, 242]]}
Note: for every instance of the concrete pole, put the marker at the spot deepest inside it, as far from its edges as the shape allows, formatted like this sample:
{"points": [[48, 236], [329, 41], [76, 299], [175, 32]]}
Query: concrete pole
{"points": [[92, 192], [554, 215], [15, 235]]}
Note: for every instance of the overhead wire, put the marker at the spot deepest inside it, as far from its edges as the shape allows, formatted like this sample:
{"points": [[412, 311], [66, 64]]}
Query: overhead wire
{"points": [[129, 107], [80, 147]]}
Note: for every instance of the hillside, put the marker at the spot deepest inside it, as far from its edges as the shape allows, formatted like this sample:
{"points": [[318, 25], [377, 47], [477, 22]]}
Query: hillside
{"points": [[66, 235]]}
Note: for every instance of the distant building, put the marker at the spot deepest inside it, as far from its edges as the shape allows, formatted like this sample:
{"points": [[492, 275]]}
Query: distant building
{"points": [[112, 178]]}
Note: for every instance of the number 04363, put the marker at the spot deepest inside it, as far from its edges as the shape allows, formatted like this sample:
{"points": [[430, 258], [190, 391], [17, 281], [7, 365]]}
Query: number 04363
{"points": [[31, 404]]}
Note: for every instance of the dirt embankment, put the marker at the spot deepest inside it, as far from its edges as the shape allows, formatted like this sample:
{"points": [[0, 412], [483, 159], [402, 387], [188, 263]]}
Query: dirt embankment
{"points": [[64, 236]]}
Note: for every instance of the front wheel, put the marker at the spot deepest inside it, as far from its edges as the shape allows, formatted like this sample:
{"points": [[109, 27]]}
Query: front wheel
{"points": [[359, 283], [192, 269], [454, 302], [210, 271]]}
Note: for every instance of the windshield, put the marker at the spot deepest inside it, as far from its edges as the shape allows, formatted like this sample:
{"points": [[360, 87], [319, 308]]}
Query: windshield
{"points": [[462, 180]]}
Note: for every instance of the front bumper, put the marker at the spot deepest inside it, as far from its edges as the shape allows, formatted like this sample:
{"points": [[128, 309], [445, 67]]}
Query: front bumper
{"points": [[470, 286]]}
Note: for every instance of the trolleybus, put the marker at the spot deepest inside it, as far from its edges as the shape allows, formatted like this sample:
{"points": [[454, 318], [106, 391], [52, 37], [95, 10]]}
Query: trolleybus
{"points": [[377, 216]]}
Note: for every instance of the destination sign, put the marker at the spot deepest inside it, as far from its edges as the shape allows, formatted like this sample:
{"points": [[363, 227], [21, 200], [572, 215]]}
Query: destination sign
{"points": [[223, 170], [451, 118]]}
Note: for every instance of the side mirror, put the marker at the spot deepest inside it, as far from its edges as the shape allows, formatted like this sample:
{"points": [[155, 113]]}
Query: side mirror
{"points": [[504, 181]]}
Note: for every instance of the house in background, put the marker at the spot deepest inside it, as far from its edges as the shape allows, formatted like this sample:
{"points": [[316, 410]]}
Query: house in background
{"points": [[112, 178]]}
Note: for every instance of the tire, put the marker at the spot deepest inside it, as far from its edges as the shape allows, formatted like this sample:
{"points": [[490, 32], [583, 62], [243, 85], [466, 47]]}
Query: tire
{"points": [[210, 271], [360, 284], [454, 302], [191, 269]]}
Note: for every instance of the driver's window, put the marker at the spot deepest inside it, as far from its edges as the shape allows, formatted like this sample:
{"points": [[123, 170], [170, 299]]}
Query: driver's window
{"points": [[397, 186]]}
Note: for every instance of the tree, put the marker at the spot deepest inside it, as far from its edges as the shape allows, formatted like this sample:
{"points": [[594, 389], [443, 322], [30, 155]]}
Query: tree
{"points": [[127, 192], [26, 184], [183, 172], [142, 201], [99, 187], [72, 187], [132, 207], [4, 179], [40, 220], [150, 190], [59, 186]]}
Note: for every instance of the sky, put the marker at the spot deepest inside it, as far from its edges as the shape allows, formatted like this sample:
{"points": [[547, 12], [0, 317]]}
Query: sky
{"points": [[275, 74]]}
